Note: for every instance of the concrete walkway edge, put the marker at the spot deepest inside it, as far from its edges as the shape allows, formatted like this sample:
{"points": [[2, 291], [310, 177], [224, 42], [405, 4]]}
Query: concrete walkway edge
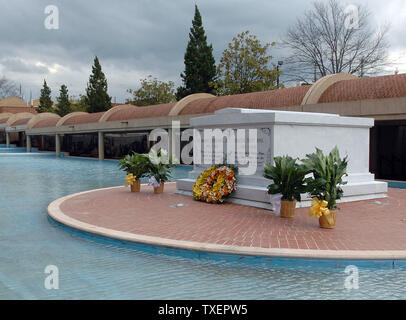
{"points": [[56, 213]]}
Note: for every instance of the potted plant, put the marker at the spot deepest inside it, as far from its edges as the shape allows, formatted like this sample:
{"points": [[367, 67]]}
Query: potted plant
{"points": [[325, 185], [159, 169], [136, 166], [288, 179]]}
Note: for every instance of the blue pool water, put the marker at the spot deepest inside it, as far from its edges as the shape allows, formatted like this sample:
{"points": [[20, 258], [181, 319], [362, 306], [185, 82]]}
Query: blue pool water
{"points": [[92, 267], [395, 184], [14, 150]]}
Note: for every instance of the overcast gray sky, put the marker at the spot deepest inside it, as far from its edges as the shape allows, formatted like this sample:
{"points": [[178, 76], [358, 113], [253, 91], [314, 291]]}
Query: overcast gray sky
{"points": [[135, 38]]}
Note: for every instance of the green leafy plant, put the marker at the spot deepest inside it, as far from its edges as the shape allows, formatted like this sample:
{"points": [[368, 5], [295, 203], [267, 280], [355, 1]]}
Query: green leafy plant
{"points": [[328, 172], [288, 178], [135, 163], [245, 66], [152, 91], [160, 165]]}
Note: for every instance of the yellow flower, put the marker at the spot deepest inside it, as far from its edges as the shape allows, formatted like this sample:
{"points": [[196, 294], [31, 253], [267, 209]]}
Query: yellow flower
{"points": [[130, 179], [214, 184], [319, 208]]}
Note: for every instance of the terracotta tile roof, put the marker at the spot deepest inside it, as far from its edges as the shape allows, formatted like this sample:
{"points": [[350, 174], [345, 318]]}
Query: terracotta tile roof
{"points": [[4, 120], [392, 86], [17, 109], [84, 118], [347, 90], [20, 122], [45, 123], [159, 110], [256, 100]]}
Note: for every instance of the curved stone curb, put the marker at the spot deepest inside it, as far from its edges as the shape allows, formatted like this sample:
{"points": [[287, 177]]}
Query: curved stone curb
{"points": [[55, 212]]}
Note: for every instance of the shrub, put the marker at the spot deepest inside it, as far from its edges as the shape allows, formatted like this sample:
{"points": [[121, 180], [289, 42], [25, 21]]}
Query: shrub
{"points": [[160, 165], [288, 178], [328, 172], [136, 164]]}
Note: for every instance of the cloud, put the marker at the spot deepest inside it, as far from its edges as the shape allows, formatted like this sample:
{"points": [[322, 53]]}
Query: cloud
{"points": [[18, 65], [135, 38]]}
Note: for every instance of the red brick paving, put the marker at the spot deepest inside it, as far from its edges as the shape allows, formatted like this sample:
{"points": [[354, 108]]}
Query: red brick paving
{"points": [[363, 225]]}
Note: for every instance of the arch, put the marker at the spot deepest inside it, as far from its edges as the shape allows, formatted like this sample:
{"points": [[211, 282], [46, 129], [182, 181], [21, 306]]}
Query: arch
{"points": [[317, 89], [286, 98], [68, 116], [18, 116], [113, 110], [6, 115], [134, 112], [178, 107], [382, 87], [39, 117]]}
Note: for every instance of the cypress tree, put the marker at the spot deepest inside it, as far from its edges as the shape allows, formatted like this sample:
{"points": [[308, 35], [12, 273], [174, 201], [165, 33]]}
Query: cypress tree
{"points": [[64, 105], [97, 97], [45, 102], [200, 68]]}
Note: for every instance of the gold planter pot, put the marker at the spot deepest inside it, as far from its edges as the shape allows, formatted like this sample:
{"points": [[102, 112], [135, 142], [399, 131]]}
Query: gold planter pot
{"points": [[324, 223], [159, 189], [288, 208], [136, 186]]}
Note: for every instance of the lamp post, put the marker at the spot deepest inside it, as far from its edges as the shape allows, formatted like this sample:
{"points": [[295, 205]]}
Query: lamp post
{"points": [[280, 63], [315, 72], [362, 66]]}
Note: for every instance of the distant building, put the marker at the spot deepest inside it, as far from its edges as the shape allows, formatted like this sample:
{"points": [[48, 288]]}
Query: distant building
{"points": [[15, 105], [35, 104]]}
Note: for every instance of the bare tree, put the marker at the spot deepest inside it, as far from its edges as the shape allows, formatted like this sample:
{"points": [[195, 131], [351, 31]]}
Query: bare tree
{"points": [[7, 88], [331, 38]]}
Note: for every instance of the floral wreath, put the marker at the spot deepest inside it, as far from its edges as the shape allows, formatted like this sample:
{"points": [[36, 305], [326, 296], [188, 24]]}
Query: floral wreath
{"points": [[215, 184]]}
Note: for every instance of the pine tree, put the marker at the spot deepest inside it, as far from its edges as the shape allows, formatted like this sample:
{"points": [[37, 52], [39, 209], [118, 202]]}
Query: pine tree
{"points": [[200, 68], [97, 97], [45, 102], [64, 106]]}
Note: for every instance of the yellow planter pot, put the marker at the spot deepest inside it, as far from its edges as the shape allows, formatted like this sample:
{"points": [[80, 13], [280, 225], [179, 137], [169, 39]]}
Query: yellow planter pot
{"points": [[136, 186], [324, 223], [288, 208], [159, 189]]}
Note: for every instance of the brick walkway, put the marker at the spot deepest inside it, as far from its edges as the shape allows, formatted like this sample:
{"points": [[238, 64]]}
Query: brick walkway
{"points": [[364, 225]]}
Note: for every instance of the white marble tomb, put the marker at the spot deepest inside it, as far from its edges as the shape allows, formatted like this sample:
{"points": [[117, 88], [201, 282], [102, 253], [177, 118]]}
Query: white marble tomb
{"points": [[284, 133]]}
